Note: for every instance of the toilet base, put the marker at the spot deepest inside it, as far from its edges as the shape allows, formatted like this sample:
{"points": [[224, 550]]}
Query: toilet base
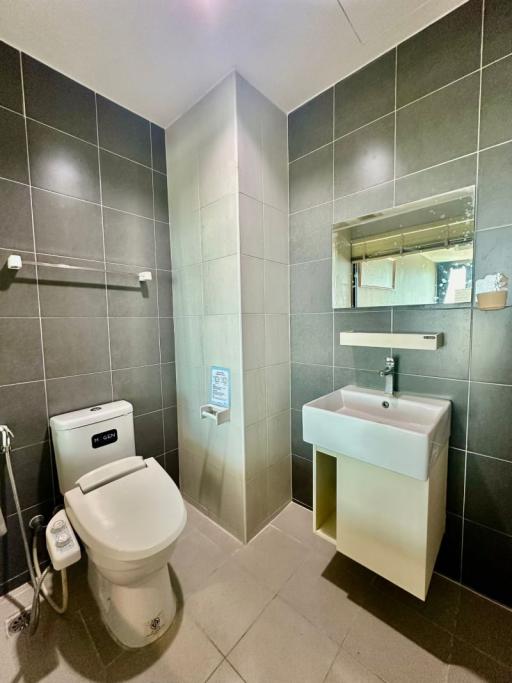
{"points": [[138, 613]]}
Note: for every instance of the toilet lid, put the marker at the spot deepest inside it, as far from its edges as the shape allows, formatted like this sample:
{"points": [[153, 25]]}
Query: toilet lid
{"points": [[132, 517]]}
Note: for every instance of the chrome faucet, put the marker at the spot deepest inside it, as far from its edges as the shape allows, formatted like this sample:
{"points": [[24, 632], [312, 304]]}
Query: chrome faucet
{"points": [[389, 374]]}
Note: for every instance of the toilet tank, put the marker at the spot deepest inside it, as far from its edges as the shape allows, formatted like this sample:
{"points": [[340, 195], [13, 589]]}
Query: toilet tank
{"points": [[86, 439]]}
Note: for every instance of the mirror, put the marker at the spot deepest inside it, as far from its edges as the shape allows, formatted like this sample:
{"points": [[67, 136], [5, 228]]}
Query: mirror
{"points": [[416, 253]]}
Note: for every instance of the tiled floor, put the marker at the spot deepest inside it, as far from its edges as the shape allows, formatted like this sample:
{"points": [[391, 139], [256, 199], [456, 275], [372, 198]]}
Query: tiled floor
{"points": [[284, 608]]}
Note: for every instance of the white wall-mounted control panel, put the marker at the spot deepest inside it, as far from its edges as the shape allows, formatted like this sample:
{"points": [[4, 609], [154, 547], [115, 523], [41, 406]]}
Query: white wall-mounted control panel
{"points": [[61, 541]]}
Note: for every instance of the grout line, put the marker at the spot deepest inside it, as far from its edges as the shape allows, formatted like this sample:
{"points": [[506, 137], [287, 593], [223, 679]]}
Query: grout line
{"points": [[41, 338], [395, 127]]}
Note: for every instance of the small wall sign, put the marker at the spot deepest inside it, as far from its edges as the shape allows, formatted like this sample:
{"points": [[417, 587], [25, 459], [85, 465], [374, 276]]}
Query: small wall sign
{"points": [[220, 386]]}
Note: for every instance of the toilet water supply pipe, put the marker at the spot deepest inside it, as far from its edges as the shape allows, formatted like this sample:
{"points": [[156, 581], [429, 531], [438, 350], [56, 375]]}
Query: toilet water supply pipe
{"points": [[37, 577]]}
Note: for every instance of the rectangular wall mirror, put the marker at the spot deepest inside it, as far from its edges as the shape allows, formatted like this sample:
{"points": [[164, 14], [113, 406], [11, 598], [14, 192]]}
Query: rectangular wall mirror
{"points": [[416, 253]]}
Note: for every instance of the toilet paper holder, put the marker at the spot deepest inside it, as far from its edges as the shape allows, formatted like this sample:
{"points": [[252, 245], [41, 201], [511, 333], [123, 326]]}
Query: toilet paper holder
{"points": [[216, 413]]}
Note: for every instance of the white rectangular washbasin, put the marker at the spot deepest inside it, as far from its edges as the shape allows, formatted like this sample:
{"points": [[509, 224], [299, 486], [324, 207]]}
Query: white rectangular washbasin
{"points": [[402, 433]]}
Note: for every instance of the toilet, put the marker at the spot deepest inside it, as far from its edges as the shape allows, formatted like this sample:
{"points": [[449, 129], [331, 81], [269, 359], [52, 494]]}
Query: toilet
{"points": [[127, 511]]}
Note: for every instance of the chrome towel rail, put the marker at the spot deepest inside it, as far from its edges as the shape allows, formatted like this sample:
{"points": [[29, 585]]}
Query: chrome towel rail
{"points": [[15, 262]]}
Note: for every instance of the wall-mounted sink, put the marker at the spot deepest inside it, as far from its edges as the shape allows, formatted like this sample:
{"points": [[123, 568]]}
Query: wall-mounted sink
{"points": [[400, 433]]}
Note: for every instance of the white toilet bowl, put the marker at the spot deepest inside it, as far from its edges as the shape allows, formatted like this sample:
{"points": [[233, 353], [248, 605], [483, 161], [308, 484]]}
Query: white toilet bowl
{"points": [[128, 524]]}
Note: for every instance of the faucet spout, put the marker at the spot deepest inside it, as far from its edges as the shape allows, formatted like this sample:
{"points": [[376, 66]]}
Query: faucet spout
{"points": [[389, 374]]}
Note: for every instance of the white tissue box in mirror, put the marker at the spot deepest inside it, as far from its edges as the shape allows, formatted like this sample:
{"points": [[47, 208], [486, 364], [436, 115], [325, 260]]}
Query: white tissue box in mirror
{"points": [[423, 341]]}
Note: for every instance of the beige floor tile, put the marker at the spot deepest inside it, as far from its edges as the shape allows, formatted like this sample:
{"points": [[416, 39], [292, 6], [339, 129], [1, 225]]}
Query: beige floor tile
{"points": [[227, 604], [272, 557], [346, 669], [470, 666], [398, 644], [283, 647], [225, 674], [297, 521], [108, 650], [328, 593], [486, 626], [183, 655], [59, 652], [218, 535], [194, 557]]}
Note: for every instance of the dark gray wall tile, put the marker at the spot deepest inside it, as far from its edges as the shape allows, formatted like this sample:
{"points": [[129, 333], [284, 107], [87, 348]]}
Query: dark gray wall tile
{"points": [[126, 186], [369, 379], [455, 483], [311, 179], [164, 278], [172, 466], [311, 234], [10, 78], [452, 359], [149, 435], [491, 336], [160, 193], [487, 561], [127, 297], [488, 486], [134, 342], [163, 245], [493, 252], [365, 95], [454, 390], [451, 175], [311, 287], [68, 293], [309, 382], [168, 371], [310, 126], [449, 558], [74, 346], [13, 147], [299, 447], [490, 428], [140, 386], [364, 202], [129, 239], [18, 293], [496, 116], [439, 127], [167, 339], [494, 182], [358, 356], [23, 408], [66, 226], [171, 428], [302, 481], [75, 174], [364, 158], [441, 53], [58, 101], [123, 132], [75, 393], [15, 219], [311, 338], [158, 148], [497, 29], [21, 359], [33, 474]]}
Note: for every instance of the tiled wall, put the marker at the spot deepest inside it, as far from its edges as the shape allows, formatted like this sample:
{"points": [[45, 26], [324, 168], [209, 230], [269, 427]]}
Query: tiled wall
{"points": [[263, 202], [432, 115], [71, 339], [228, 189]]}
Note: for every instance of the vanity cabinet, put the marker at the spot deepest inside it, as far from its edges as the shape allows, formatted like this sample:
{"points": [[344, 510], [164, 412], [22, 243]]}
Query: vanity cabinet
{"points": [[389, 522]]}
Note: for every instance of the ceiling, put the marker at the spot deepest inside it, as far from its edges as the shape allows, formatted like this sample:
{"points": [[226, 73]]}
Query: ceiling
{"points": [[158, 57]]}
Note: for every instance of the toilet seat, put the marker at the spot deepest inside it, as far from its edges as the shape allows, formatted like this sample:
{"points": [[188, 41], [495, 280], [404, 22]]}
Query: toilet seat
{"points": [[131, 517]]}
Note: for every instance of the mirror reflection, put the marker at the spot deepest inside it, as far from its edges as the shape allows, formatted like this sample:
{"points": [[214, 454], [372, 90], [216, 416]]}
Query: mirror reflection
{"points": [[416, 253]]}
